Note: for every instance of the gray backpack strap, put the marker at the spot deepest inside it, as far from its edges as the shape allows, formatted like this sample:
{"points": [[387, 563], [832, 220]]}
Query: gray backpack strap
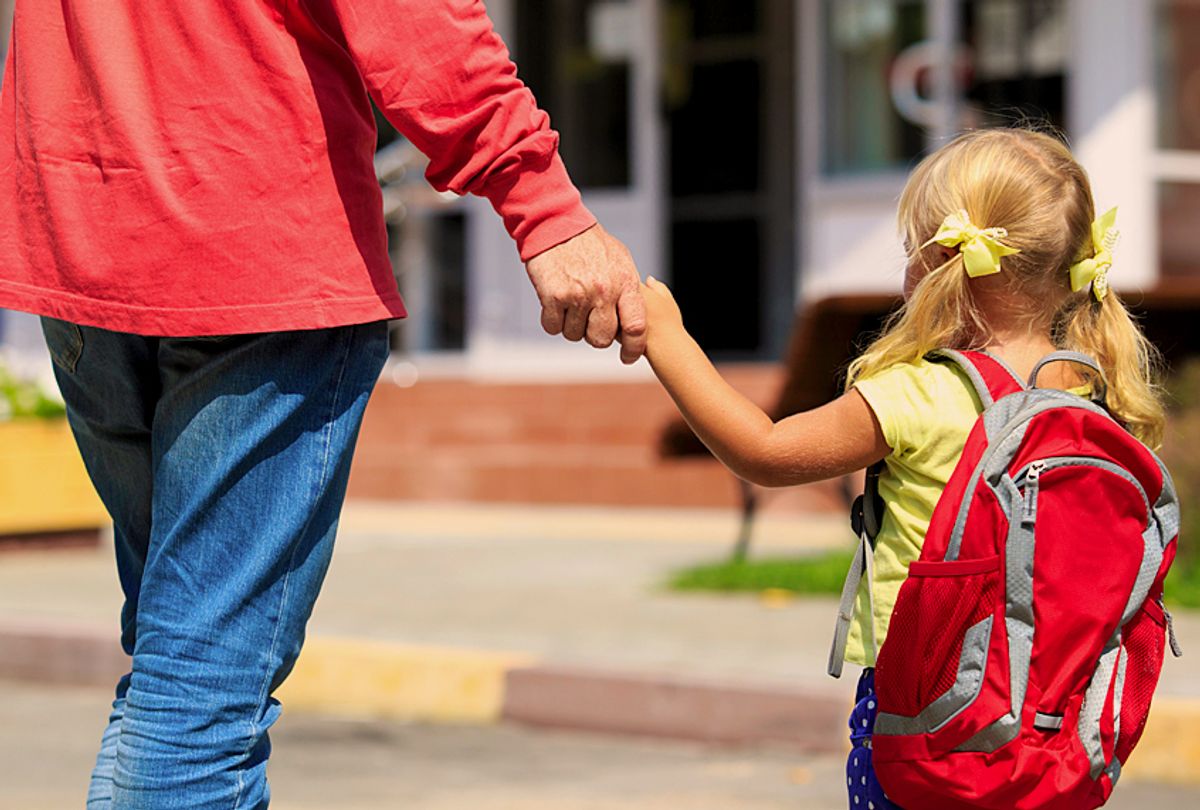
{"points": [[864, 562], [1073, 357], [992, 379], [1003, 379], [866, 517]]}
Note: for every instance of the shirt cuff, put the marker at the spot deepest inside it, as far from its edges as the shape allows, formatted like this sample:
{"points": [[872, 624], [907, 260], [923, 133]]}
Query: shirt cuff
{"points": [[540, 207]]}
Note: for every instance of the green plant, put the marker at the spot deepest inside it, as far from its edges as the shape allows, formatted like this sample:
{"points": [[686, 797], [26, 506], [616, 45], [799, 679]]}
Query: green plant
{"points": [[23, 399], [1182, 438], [817, 574]]}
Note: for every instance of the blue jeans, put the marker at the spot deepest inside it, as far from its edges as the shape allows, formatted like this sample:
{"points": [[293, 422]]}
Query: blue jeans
{"points": [[223, 463]]}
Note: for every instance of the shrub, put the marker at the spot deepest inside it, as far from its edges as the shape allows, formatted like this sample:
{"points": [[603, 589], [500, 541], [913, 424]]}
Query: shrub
{"points": [[24, 399], [1179, 453]]}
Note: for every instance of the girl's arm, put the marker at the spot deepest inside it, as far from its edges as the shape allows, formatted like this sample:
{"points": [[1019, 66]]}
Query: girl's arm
{"points": [[837, 438]]}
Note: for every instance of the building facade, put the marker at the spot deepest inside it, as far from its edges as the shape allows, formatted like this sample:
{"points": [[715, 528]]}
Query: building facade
{"points": [[751, 152]]}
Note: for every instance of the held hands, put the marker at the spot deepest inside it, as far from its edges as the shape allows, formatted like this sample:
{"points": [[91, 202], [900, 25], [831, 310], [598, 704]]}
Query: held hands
{"points": [[589, 287], [664, 320], [661, 309]]}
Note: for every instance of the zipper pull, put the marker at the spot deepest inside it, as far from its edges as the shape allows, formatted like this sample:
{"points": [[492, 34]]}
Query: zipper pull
{"points": [[1032, 476], [1176, 650]]}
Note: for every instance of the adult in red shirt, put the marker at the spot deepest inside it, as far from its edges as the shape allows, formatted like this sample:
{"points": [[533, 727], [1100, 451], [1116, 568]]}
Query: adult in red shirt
{"points": [[189, 201]]}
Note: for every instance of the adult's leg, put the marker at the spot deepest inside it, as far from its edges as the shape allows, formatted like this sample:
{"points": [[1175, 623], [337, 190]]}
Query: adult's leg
{"points": [[110, 383], [251, 444]]}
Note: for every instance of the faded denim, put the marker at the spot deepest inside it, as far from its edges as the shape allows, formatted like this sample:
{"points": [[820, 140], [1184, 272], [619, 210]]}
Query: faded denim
{"points": [[223, 462]]}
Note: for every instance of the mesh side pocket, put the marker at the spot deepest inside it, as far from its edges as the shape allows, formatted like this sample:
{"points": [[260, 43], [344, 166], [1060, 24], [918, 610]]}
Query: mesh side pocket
{"points": [[974, 603], [937, 604], [1145, 642]]}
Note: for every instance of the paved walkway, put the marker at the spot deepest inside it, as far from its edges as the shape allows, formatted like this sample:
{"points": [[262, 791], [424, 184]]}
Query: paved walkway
{"points": [[551, 616], [323, 763], [574, 586]]}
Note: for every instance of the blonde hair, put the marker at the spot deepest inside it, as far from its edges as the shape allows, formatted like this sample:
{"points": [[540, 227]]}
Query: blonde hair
{"points": [[1030, 184]]}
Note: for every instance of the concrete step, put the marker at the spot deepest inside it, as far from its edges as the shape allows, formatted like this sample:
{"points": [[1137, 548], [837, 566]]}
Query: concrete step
{"points": [[581, 443]]}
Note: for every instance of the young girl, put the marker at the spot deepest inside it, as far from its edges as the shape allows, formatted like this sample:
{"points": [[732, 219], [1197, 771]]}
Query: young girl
{"points": [[1005, 254]]}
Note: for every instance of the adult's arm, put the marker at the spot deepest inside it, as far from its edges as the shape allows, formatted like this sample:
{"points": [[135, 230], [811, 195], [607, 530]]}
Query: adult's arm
{"points": [[440, 73]]}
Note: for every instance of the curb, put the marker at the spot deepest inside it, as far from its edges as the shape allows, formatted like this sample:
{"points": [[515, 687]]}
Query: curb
{"points": [[58, 652], [381, 679], [353, 677], [646, 705]]}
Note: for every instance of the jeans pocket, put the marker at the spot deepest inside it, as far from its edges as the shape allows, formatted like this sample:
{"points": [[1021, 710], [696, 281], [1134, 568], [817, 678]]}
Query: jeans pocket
{"points": [[65, 342]]}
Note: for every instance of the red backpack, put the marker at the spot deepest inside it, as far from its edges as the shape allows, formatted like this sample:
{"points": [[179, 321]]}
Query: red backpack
{"points": [[1027, 640]]}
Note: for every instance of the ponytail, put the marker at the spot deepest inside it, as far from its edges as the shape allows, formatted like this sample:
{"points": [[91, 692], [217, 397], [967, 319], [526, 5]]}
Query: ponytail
{"points": [[1030, 185], [1132, 365], [941, 312]]}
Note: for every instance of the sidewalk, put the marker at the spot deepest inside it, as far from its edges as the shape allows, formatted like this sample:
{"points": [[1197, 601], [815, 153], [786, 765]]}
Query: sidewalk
{"points": [[547, 616]]}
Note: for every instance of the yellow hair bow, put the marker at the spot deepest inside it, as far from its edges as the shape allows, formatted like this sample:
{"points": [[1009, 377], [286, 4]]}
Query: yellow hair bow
{"points": [[1094, 270], [981, 248]]}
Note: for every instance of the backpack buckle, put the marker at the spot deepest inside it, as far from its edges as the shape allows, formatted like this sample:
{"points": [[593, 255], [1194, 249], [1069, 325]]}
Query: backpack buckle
{"points": [[866, 514], [856, 516]]}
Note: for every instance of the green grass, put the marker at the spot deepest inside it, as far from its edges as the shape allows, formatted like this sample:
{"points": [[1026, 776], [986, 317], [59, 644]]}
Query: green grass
{"points": [[820, 574], [1183, 585], [824, 574]]}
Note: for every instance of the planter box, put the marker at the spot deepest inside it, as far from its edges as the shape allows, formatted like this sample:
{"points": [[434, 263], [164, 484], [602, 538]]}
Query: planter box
{"points": [[44, 488]]}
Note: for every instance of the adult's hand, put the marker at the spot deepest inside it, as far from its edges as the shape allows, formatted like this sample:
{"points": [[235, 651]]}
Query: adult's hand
{"points": [[589, 287]]}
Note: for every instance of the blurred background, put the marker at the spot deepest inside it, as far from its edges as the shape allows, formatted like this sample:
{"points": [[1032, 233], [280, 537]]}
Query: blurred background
{"points": [[533, 541]]}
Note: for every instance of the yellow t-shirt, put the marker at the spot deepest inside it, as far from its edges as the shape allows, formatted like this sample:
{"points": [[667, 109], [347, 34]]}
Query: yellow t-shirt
{"points": [[926, 410]]}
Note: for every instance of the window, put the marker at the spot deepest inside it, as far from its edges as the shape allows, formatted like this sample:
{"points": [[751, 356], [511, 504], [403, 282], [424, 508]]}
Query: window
{"points": [[1017, 62], [883, 105], [1177, 29], [426, 242], [1178, 74], [574, 55], [864, 132], [1179, 247]]}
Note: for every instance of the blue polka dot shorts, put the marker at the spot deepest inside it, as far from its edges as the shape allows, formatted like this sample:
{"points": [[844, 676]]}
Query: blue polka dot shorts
{"points": [[861, 784]]}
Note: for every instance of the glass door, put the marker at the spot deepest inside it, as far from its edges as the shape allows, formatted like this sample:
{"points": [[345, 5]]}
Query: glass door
{"points": [[728, 92]]}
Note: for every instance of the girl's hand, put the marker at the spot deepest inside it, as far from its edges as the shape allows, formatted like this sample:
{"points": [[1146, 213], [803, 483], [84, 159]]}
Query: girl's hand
{"points": [[663, 318]]}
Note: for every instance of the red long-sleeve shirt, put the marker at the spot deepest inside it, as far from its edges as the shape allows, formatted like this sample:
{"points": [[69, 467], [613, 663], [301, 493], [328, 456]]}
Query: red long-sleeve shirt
{"points": [[205, 167]]}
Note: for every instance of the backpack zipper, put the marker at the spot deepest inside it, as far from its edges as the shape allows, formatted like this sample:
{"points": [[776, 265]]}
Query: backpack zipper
{"points": [[1046, 399], [1049, 400], [1033, 474], [1176, 650], [1053, 462]]}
